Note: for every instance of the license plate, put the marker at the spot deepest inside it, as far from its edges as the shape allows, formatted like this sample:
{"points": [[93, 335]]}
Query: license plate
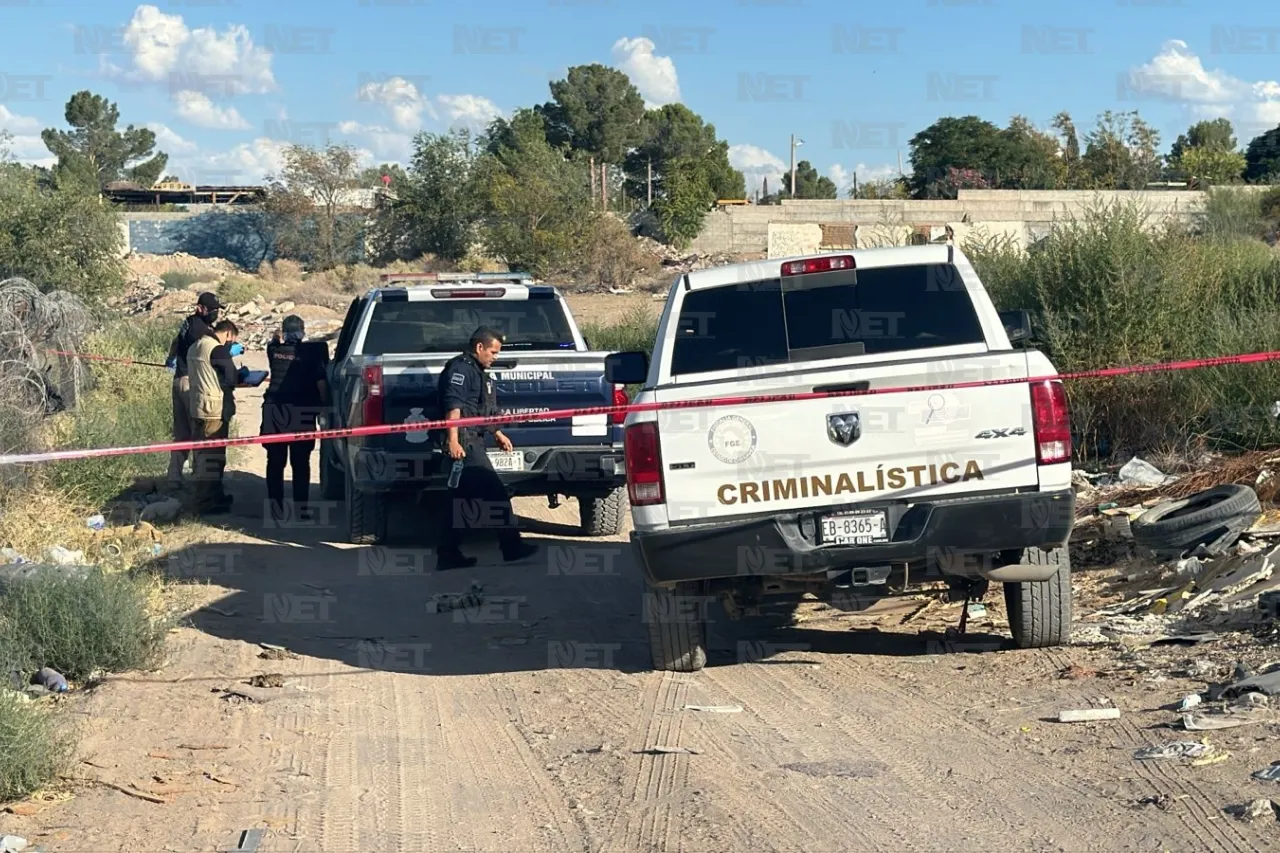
{"points": [[513, 461], [855, 528]]}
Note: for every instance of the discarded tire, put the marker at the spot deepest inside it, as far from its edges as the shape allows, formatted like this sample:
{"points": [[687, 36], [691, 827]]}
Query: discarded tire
{"points": [[1218, 516]]}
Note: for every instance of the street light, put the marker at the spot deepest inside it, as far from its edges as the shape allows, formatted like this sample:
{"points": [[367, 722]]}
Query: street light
{"points": [[794, 143]]}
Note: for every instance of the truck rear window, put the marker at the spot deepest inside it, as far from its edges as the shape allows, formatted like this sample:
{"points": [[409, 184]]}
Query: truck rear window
{"points": [[446, 325], [829, 315]]}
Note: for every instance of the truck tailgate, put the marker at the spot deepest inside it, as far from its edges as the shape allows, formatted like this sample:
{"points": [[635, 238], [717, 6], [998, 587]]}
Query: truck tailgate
{"points": [[898, 446], [526, 383]]}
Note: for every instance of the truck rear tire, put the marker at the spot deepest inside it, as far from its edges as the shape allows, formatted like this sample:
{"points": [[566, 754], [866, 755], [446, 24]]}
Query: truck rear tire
{"points": [[366, 517], [601, 515], [331, 479], [1040, 611], [677, 637]]}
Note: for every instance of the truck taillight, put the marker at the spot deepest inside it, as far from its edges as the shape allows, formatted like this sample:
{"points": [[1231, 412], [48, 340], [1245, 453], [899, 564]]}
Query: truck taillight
{"points": [[372, 376], [644, 464], [619, 399], [1052, 422], [825, 263]]}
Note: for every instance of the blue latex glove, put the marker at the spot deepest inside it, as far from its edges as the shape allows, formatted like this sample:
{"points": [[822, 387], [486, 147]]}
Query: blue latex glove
{"points": [[172, 364], [237, 348]]}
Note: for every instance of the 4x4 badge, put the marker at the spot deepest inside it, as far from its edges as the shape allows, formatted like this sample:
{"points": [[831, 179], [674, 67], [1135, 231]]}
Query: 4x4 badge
{"points": [[844, 428]]}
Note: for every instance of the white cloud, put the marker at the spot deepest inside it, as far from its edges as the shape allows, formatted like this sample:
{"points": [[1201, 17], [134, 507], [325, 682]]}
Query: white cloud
{"points": [[196, 108], [865, 174], [756, 164], [383, 144], [1177, 75], [247, 163], [170, 142], [470, 111], [163, 49], [655, 76], [25, 144], [402, 100]]}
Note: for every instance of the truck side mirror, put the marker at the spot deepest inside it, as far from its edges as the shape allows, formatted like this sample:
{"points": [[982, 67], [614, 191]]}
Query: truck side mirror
{"points": [[1017, 325], [626, 368]]}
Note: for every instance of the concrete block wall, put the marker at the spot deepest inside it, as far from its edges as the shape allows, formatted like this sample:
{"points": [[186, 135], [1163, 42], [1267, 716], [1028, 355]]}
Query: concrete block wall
{"points": [[235, 235], [1021, 215]]}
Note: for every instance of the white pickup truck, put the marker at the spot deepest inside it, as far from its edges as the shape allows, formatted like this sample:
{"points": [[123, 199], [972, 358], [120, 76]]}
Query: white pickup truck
{"points": [[851, 498]]}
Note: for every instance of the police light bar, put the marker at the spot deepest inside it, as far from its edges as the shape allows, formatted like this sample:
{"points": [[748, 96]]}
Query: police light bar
{"points": [[826, 263], [456, 293]]}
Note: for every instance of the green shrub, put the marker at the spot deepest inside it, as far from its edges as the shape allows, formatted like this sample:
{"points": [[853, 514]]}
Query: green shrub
{"points": [[1107, 290], [237, 290], [178, 280], [129, 405], [81, 625], [36, 745], [635, 331]]}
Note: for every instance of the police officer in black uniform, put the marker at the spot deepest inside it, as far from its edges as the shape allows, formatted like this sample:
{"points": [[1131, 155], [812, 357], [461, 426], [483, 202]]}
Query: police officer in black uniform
{"points": [[465, 390], [299, 391]]}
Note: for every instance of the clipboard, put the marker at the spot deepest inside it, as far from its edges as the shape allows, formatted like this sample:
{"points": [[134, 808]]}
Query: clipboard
{"points": [[254, 378]]}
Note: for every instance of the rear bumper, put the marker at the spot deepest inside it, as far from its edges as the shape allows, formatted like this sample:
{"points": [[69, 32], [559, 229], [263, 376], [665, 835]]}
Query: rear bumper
{"points": [[958, 534], [561, 470]]}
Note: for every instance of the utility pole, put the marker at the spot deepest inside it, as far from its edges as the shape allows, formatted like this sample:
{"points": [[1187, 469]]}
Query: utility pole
{"points": [[651, 183], [855, 184], [794, 143]]}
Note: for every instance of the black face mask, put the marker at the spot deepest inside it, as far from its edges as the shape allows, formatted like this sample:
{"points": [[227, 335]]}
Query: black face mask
{"points": [[211, 316]]}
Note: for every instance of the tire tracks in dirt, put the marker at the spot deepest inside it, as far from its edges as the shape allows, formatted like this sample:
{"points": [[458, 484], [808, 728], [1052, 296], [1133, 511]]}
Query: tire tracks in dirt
{"points": [[904, 739]]}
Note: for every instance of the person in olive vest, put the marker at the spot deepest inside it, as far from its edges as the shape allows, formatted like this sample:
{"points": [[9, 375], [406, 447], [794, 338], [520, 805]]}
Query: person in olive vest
{"points": [[214, 378], [198, 325], [297, 394]]}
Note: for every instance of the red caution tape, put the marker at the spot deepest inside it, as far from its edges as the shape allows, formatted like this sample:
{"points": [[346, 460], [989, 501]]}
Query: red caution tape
{"points": [[499, 420], [104, 358]]}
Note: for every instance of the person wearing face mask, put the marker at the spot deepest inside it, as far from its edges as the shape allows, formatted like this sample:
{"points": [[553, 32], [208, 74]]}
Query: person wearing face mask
{"points": [[298, 392], [214, 378], [198, 325]]}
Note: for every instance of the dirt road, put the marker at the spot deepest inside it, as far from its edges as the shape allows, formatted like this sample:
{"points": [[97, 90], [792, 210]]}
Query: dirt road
{"points": [[521, 723]]}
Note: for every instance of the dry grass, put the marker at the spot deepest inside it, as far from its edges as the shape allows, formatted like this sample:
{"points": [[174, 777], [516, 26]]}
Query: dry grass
{"points": [[33, 521]]}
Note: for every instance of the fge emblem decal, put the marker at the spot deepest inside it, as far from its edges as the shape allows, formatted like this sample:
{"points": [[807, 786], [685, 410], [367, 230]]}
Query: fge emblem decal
{"points": [[732, 439]]}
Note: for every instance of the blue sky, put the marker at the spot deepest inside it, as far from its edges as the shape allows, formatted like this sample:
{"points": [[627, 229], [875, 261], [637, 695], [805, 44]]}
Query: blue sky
{"points": [[227, 83]]}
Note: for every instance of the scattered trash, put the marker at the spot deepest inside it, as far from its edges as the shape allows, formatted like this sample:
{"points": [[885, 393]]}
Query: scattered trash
{"points": [[60, 556], [1089, 715], [667, 750], [1139, 472], [1203, 721], [270, 679], [96, 522], [444, 602], [273, 652], [13, 844], [715, 709], [161, 511], [51, 679], [1268, 774], [977, 610], [1217, 758], [1268, 683], [1189, 701], [1176, 749], [1252, 810], [11, 556]]}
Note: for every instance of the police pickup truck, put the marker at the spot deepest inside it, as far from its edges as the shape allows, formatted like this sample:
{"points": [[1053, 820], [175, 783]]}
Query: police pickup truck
{"points": [[395, 340], [850, 498]]}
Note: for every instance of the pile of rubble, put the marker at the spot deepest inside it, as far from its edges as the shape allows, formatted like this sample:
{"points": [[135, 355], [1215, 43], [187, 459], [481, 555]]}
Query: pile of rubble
{"points": [[1226, 583], [257, 319]]}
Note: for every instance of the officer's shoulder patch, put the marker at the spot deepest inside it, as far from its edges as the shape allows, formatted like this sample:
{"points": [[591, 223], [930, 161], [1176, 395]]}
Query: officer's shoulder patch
{"points": [[458, 379]]}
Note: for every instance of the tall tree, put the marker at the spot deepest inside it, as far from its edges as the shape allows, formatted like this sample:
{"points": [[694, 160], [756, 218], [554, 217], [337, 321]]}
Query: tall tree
{"points": [[437, 206], [538, 210], [809, 184], [1262, 158], [964, 143], [1215, 135], [675, 132], [687, 196], [1034, 160], [308, 200], [95, 153], [1121, 152], [597, 111]]}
